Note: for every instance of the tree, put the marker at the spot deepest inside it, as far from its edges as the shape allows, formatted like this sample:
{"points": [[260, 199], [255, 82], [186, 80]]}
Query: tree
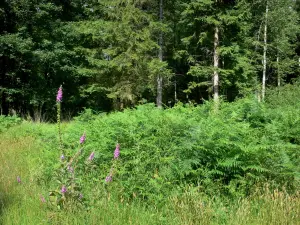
{"points": [[122, 56], [213, 45], [36, 57], [263, 89], [112, 53], [273, 27], [160, 56]]}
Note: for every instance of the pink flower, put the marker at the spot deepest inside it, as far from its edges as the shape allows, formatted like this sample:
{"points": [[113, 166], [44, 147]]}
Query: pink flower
{"points": [[59, 94], [108, 179], [63, 189], [82, 138], [92, 155], [18, 179], [117, 152], [43, 200]]}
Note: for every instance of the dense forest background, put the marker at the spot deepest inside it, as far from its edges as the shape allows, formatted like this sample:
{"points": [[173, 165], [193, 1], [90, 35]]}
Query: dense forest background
{"points": [[112, 54]]}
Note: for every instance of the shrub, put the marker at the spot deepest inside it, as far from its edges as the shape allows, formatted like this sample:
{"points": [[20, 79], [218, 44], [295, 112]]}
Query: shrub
{"points": [[8, 121]]}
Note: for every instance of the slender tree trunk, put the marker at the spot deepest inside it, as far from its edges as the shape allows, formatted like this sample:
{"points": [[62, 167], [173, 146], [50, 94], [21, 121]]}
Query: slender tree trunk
{"points": [[263, 89], [257, 88], [278, 72], [175, 90], [160, 56], [216, 66]]}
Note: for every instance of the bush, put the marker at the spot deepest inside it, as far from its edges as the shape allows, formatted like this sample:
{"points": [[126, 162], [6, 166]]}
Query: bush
{"points": [[8, 121]]}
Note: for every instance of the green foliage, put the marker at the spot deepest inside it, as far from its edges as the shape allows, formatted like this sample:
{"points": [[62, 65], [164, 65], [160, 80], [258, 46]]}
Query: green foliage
{"points": [[244, 145], [235, 69], [21, 203], [105, 53], [8, 121], [241, 160]]}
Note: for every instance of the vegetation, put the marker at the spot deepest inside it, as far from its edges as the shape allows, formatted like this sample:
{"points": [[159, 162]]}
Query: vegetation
{"points": [[8, 121], [167, 112], [113, 54], [184, 165]]}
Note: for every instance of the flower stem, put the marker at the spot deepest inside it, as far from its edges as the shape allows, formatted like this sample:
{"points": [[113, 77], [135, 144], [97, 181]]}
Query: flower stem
{"points": [[59, 128]]}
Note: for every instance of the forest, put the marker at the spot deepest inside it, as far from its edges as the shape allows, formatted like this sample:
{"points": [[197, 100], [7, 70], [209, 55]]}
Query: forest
{"points": [[113, 54], [149, 112]]}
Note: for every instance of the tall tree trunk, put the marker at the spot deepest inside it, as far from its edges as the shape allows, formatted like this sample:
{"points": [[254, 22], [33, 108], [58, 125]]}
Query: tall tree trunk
{"points": [[263, 89], [278, 72], [257, 82], [160, 56], [175, 90], [216, 66]]}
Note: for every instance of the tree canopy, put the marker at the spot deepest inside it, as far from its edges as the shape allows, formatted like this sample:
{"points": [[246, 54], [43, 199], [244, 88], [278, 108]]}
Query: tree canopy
{"points": [[105, 53]]}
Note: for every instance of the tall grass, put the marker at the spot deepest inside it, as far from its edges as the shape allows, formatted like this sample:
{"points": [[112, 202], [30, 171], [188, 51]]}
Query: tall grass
{"points": [[19, 202], [260, 208]]}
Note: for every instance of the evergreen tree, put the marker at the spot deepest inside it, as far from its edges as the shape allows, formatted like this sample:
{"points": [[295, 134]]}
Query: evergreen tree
{"points": [[212, 45]]}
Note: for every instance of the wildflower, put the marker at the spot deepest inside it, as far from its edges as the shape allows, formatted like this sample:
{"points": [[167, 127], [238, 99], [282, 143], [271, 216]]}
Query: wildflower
{"points": [[70, 168], [62, 157], [117, 152], [82, 138], [92, 155], [63, 189], [18, 179], [108, 178], [43, 200], [59, 94]]}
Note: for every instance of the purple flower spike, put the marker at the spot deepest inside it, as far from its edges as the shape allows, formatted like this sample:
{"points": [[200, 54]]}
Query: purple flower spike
{"points": [[92, 155], [43, 200], [117, 152], [62, 157], [108, 179], [59, 94], [18, 179], [82, 138], [63, 189]]}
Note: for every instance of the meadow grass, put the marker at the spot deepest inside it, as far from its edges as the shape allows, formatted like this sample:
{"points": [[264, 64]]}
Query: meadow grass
{"points": [[21, 155]]}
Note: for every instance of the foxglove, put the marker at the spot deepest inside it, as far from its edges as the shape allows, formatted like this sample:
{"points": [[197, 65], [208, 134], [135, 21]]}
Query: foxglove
{"points": [[43, 200], [108, 179], [82, 139], [63, 189], [117, 152], [92, 155], [59, 94]]}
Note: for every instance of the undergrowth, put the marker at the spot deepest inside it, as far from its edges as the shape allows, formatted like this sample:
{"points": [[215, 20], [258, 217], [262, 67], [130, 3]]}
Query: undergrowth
{"points": [[184, 165], [244, 145]]}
